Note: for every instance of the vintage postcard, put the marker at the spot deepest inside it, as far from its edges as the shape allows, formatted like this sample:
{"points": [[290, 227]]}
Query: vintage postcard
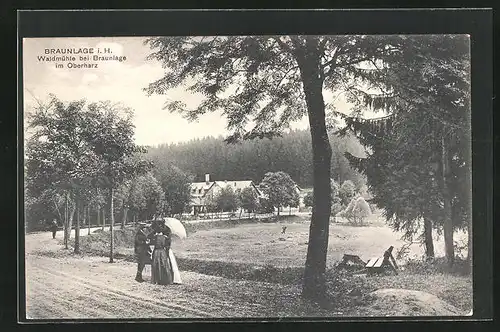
{"points": [[215, 177]]}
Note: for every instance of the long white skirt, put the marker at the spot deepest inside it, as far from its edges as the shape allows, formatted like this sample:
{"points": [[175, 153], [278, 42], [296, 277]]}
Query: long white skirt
{"points": [[175, 268]]}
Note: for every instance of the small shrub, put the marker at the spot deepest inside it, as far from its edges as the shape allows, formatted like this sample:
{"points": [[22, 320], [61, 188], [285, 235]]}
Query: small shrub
{"points": [[356, 211], [336, 208], [309, 199], [437, 265], [347, 191]]}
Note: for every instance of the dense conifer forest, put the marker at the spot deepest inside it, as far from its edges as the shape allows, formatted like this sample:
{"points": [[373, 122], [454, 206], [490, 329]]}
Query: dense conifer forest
{"points": [[251, 159]]}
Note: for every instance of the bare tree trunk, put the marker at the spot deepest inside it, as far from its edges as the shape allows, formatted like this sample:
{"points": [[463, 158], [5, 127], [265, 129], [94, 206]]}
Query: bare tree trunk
{"points": [[77, 230], [112, 221], [98, 215], [103, 214], [314, 286], [66, 217], [448, 221], [71, 207], [429, 244], [100, 221], [72, 212], [124, 219], [57, 210], [88, 218]]}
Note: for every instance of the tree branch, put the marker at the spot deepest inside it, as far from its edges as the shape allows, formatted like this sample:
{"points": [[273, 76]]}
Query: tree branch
{"points": [[285, 75], [284, 46], [345, 64], [333, 59]]}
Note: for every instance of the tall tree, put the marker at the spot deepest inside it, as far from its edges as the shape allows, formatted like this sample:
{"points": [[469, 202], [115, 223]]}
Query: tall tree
{"points": [[249, 199], [262, 83], [58, 156], [110, 133], [226, 199], [309, 197], [280, 190], [424, 85], [140, 196], [176, 186]]}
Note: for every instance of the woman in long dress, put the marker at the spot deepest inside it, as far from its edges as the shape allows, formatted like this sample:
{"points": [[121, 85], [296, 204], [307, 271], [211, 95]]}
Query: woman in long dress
{"points": [[161, 267]]}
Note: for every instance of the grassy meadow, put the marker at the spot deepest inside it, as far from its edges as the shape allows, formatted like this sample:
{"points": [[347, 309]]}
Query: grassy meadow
{"points": [[259, 251]]}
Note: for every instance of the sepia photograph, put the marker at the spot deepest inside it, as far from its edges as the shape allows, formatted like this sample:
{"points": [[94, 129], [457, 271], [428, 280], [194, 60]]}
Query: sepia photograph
{"points": [[248, 176]]}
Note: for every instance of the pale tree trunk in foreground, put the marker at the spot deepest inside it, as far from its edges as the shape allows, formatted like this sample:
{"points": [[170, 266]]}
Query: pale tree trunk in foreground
{"points": [[77, 230], [112, 221], [88, 218], [124, 219], [448, 221]]}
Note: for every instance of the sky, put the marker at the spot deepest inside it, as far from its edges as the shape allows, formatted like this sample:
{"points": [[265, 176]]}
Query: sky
{"points": [[121, 82]]}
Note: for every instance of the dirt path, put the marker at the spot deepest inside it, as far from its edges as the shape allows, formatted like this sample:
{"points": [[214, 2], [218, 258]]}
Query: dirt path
{"points": [[44, 241], [78, 287], [78, 296]]}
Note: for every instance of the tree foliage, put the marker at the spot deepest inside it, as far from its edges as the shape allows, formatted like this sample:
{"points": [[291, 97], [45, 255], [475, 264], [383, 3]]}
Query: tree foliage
{"points": [[347, 191], [59, 161], [252, 159], [309, 197], [356, 211], [263, 83], [249, 199], [420, 162], [175, 184], [226, 200], [280, 190], [142, 195], [76, 154]]}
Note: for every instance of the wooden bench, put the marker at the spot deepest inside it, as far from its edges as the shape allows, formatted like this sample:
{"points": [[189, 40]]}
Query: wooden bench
{"points": [[383, 263]]}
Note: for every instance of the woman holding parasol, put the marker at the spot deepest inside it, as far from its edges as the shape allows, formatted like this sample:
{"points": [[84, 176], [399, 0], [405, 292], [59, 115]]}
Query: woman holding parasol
{"points": [[164, 269]]}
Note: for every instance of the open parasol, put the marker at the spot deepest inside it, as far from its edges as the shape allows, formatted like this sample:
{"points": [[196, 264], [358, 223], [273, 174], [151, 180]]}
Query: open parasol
{"points": [[176, 227]]}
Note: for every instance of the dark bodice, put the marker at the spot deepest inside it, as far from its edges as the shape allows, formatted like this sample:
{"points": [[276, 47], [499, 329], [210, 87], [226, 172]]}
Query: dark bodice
{"points": [[162, 242], [141, 242]]}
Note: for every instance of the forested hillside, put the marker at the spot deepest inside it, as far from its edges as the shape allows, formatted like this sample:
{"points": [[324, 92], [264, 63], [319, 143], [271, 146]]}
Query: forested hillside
{"points": [[291, 153]]}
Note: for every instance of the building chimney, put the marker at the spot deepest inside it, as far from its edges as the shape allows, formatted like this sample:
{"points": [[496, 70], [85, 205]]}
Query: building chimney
{"points": [[207, 178]]}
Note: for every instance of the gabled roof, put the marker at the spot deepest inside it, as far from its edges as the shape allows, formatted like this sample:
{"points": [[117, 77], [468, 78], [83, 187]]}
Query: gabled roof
{"points": [[234, 184], [238, 185], [201, 185], [200, 188]]}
